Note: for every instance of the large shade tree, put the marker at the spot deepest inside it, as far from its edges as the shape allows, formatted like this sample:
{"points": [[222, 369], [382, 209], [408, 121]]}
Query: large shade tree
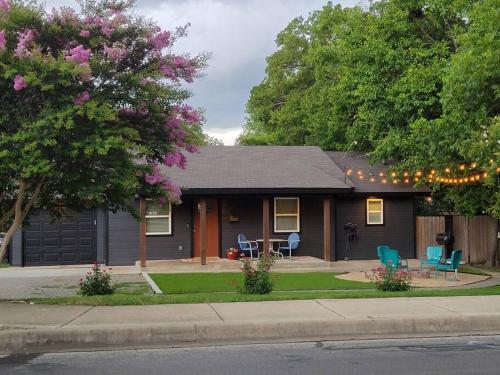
{"points": [[90, 104], [412, 82]]}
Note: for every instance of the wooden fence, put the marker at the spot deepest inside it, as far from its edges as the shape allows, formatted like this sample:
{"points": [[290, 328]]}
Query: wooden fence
{"points": [[476, 236], [425, 232]]}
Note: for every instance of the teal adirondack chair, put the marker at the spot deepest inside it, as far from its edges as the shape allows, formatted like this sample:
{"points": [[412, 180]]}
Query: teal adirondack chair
{"points": [[434, 256], [454, 262], [380, 252], [393, 260]]}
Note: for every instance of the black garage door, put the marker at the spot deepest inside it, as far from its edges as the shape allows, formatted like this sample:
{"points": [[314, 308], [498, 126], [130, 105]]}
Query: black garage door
{"points": [[69, 240]]}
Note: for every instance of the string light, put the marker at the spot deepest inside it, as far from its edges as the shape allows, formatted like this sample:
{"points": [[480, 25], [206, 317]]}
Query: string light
{"points": [[446, 175]]}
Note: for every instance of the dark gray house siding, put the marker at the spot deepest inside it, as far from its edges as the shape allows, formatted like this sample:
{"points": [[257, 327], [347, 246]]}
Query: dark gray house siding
{"points": [[123, 239], [178, 245], [248, 211], [398, 230]]}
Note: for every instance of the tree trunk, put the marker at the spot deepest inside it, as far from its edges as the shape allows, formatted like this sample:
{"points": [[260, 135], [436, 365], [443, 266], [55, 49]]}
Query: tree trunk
{"points": [[20, 213]]}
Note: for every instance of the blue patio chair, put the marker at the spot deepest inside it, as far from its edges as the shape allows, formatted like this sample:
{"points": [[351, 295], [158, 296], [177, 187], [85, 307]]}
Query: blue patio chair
{"points": [[454, 262], [248, 246], [291, 244], [380, 252], [393, 260], [434, 256]]}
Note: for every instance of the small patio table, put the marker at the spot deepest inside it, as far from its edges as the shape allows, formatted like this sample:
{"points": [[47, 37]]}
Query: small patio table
{"points": [[272, 241]]}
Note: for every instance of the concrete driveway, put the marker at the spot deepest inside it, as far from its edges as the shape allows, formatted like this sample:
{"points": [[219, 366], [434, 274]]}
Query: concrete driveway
{"points": [[60, 281]]}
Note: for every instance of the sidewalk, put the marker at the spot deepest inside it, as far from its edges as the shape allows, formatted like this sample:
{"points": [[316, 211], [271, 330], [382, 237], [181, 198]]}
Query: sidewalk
{"points": [[44, 327]]}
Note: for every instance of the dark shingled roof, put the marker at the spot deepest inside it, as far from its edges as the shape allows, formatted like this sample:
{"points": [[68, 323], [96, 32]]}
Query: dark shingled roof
{"points": [[360, 161], [220, 169]]}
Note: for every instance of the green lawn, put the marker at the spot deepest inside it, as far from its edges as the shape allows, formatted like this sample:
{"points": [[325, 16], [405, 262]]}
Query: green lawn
{"points": [[179, 283], [132, 299], [4, 265]]}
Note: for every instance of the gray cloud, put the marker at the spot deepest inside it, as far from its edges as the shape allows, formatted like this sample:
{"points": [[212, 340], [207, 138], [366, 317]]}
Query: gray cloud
{"points": [[239, 34]]}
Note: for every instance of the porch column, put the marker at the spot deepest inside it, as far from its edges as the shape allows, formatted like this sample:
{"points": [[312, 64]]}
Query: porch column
{"points": [[265, 227], [203, 231], [142, 231], [327, 203]]}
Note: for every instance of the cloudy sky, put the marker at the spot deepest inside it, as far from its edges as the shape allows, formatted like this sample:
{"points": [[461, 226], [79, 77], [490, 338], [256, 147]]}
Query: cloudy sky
{"points": [[239, 34]]}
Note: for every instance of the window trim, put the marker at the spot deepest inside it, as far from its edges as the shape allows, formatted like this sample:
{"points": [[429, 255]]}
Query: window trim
{"points": [[169, 216], [368, 211], [297, 215]]}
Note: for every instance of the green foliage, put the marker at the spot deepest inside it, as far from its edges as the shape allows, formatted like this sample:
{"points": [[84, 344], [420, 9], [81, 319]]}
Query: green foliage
{"points": [[97, 282], [411, 82], [257, 280]]}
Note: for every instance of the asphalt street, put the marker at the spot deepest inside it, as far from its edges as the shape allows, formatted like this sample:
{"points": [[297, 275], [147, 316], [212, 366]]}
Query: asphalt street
{"points": [[459, 355]]}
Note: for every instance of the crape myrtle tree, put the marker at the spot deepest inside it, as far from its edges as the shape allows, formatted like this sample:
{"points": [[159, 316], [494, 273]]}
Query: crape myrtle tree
{"points": [[91, 104]]}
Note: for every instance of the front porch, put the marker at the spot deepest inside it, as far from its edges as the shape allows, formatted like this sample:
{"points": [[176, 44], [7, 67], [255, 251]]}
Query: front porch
{"points": [[215, 264], [204, 227]]}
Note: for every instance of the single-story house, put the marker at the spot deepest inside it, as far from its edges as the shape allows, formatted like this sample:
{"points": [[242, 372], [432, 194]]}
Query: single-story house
{"points": [[261, 191]]}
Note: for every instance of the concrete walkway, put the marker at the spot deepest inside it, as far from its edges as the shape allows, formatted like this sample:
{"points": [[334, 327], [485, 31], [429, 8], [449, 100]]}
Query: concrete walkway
{"points": [[35, 316], [38, 327]]}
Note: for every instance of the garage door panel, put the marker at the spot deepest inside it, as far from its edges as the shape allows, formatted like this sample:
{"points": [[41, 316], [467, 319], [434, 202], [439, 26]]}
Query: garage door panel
{"points": [[50, 257], [65, 227], [69, 257], [33, 228], [51, 242], [34, 258], [32, 242], [86, 257], [50, 227], [69, 240]]}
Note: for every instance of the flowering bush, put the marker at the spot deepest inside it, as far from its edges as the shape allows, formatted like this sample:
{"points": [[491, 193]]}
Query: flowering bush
{"points": [[257, 280], [97, 282], [390, 279]]}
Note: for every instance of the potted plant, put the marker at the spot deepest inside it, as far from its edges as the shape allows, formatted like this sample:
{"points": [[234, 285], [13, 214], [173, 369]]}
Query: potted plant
{"points": [[232, 253]]}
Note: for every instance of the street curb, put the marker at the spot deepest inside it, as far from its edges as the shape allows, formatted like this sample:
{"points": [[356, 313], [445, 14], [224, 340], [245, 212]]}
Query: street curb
{"points": [[152, 284], [211, 333]]}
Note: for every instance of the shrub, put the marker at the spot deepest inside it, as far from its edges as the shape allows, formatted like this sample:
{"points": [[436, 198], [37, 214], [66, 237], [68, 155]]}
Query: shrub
{"points": [[97, 282], [390, 279], [257, 280]]}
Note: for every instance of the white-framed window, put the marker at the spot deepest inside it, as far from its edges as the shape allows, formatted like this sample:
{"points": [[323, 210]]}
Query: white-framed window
{"points": [[158, 218], [286, 214], [374, 211]]}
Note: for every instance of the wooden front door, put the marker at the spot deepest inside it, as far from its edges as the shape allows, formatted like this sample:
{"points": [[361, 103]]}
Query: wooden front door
{"points": [[212, 229]]}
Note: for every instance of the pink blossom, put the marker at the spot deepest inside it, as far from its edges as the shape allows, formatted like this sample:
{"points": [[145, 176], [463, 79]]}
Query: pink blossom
{"points": [[115, 53], [107, 29], [160, 40], [19, 83], [192, 149], [156, 178], [185, 67], [189, 114], [79, 54], [3, 41], [168, 72], [5, 5], [84, 33], [173, 189], [175, 158], [81, 98], [24, 39]]}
